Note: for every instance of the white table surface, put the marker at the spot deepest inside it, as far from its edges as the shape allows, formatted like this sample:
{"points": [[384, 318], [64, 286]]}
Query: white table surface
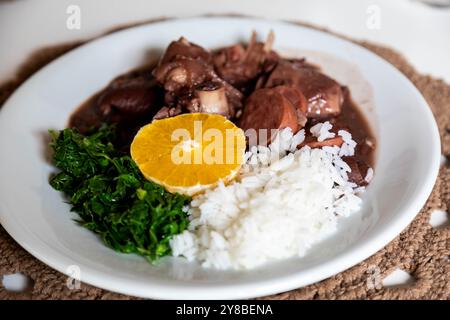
{"points": [[419, 32]]}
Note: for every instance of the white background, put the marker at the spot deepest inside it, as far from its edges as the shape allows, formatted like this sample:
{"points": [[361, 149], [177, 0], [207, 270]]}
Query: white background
{"points": [[420, 32]]}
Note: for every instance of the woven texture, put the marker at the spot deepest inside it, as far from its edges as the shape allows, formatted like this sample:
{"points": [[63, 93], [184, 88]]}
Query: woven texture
{"points": [[420, 250]]}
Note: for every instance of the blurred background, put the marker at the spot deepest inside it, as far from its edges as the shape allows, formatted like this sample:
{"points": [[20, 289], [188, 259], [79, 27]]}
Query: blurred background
{"points": [[419, 29]]}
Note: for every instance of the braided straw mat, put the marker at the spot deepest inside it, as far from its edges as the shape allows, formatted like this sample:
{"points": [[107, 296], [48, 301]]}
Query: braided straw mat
{"points": [[420, 250]]}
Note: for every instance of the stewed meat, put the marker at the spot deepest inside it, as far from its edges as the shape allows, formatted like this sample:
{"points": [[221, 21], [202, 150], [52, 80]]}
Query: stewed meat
{"points": [[130, 100], [183, 73], [183, 48], [210, 97], [324, 95], [186, 78], [240, 66], [166, 112], [277, 92], [129, 97]]}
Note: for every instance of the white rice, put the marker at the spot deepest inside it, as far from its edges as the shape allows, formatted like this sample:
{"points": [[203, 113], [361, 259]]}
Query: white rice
{"points": [[322, 131], [283, 201], [348, 147]]}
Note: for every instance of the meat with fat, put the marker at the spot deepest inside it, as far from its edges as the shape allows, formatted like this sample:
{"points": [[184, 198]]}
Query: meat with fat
{"points": [[185, 78]]}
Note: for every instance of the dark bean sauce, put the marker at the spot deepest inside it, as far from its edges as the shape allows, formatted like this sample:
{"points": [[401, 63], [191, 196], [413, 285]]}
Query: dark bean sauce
{"points": [[353, 120]]}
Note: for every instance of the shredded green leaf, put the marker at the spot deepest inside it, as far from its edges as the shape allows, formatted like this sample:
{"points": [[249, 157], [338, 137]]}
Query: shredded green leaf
{"points": [[112, 198]]}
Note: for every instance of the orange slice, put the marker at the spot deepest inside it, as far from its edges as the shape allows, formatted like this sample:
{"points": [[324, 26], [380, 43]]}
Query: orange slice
{"points": [[190, 152]]}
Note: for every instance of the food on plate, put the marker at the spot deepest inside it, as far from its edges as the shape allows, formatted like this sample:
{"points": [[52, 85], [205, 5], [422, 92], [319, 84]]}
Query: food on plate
{"points": [[187, 75], [323, 94], [233, 157], [242, 66], [284, 200], [260, 114]]}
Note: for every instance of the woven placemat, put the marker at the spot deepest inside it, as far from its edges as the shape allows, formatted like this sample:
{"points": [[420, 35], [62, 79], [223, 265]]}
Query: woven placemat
{"points": [[420, 250]]}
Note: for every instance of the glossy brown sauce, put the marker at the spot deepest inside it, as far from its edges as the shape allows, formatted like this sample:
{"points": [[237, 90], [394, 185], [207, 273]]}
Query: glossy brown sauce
{"points": [[353, 120], [88, 116]]}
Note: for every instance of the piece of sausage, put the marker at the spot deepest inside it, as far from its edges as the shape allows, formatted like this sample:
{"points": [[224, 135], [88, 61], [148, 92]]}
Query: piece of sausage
{"points": [[313, 143], [295, 96], [298, 100], [324, 95], [268, 109]]}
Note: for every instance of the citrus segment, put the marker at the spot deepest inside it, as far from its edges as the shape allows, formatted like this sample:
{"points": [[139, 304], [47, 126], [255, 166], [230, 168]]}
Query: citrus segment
{"points": [[190, 152]]}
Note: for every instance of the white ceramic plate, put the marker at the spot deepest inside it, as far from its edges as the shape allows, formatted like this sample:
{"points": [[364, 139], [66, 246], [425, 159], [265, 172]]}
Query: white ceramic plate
{"points": [[39, 220]]}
